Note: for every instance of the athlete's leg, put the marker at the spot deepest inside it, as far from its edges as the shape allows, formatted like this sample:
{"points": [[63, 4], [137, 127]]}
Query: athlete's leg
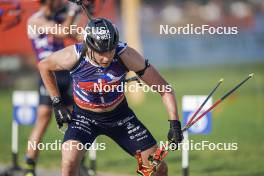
{"points": [[79, 136], [132, 135], [72, 155], [43, 117], [162, 169]]}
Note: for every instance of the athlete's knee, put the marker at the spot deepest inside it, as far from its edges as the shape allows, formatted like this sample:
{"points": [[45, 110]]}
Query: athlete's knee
{"points": [[44, 111], [69, 167], [162, 169], [71, 158]]}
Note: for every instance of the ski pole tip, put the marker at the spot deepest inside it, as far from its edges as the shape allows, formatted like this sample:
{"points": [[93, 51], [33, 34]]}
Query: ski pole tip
{"points": [[251, 75]]}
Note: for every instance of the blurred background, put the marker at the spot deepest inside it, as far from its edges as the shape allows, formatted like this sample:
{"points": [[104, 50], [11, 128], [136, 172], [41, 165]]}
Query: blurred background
{"points": [[191, 63]]}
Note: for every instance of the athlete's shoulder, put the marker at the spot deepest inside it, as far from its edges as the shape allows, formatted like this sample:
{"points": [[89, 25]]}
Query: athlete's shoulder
{"points": [[121, 46], [78, 48]]}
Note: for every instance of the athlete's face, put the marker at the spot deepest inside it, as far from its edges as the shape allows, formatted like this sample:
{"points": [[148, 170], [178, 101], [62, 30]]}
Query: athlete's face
{"points": [[56, 4], [104, 59]]}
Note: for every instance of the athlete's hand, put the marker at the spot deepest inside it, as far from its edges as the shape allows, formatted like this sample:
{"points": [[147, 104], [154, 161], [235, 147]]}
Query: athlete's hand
{"points": [[62, 114], [74, 9], [175, 133]]}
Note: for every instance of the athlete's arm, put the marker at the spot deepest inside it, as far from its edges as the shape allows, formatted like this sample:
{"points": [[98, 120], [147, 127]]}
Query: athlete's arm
{"points": [[63, 59], [135, 62]]}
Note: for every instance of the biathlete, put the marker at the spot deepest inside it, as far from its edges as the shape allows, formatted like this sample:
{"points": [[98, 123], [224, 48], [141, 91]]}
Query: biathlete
{"points": [[103, 60], [50, 14]]}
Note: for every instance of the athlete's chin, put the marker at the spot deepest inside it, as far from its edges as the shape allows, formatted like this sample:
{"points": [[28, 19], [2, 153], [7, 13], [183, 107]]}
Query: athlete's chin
{"points": [[105, 64]]}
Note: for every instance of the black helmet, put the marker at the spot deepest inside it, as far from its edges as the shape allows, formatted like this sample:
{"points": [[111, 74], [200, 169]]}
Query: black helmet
{"points": [[101, 35]]}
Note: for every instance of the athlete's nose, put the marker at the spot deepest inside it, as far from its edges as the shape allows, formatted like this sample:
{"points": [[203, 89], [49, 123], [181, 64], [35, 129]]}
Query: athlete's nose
{"points": [[106, 59]]}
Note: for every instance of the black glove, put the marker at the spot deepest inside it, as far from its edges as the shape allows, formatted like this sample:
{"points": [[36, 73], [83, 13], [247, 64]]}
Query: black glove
{"points": [[175, 134], [62, 114]]}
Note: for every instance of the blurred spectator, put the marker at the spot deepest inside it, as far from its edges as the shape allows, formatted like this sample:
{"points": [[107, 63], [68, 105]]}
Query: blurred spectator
{"points": [[172, 14], [211, 11]]}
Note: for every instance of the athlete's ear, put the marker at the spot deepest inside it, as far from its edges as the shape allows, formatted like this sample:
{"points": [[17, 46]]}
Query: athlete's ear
{"points": [[112, 52]]}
